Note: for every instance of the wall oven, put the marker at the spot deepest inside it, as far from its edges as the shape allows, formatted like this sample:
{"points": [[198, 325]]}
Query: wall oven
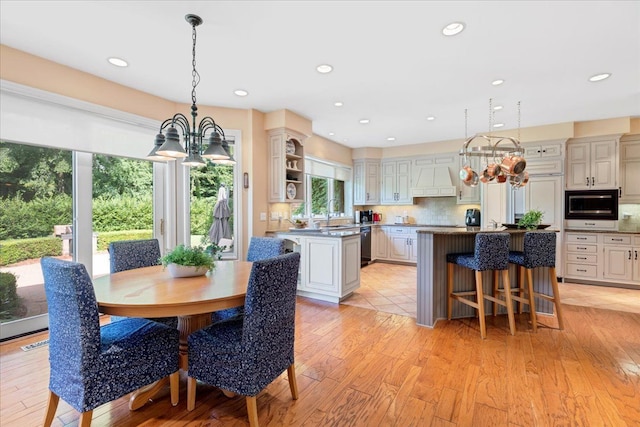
{"points": [[591, 205]]}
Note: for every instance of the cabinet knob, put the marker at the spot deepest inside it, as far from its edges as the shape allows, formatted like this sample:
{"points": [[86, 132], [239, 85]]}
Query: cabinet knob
{"points": [[629, 255], [593, 181], [636, 252], [587, 181]]}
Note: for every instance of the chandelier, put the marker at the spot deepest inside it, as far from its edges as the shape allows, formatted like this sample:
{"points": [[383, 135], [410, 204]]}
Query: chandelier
{"points": [[501, 163], [167, 145]]}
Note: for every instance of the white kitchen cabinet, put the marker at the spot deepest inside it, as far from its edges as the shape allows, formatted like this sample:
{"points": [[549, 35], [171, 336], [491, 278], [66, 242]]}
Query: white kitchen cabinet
{"points": [[582, 260], [329, 265], [286, 166], [468, 195], [621, 262], [431, 176], [592, 165], [545, 193], [403, 245], [630, 170], [544, 158], [366, 182], [379, 243], [396, 182], [495, 199]]}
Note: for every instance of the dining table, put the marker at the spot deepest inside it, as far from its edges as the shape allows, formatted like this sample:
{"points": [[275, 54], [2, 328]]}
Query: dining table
{"points": [[153, 292]]}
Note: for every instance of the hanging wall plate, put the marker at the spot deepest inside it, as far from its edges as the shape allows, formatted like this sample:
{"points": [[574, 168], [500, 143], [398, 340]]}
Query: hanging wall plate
{"points": [[291, 147], [291, 191]]}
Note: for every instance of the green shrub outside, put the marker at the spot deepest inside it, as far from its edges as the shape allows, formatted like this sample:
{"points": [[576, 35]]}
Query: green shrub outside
{"points": [[114, 236], [122, 213], [23, 220], [12, 251], [202, 214], [9, 300]]}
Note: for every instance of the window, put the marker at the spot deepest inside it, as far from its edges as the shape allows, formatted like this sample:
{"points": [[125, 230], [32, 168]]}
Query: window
{"points": [[324, 183]]}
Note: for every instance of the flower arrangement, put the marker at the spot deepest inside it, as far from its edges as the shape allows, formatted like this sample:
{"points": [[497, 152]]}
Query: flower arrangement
{"points": [[187, 256], [531, 219]]}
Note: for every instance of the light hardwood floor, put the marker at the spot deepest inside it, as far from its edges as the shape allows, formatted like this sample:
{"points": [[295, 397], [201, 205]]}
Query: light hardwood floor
{"points": [[362, 367]]}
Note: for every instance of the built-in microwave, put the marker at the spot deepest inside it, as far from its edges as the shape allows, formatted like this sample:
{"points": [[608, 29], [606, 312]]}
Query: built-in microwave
{"points": [[591, 204]]}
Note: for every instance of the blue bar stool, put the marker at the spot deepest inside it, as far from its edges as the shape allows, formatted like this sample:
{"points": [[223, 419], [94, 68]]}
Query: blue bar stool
{"points": [[539, 251], [491, 253]]}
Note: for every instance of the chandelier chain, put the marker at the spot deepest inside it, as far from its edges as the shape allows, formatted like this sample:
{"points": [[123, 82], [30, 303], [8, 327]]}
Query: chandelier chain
{"points": [[194, 73]]}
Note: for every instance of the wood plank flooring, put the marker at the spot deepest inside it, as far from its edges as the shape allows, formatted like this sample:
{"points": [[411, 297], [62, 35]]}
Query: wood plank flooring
{"points": [[361, 367]]}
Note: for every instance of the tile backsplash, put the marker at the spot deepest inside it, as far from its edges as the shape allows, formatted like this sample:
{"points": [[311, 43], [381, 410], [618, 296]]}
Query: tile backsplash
{"points": [[629, 217], [428, 211]]}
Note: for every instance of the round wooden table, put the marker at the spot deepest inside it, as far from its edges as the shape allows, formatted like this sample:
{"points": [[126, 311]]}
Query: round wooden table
{"points": [[152, 292]]}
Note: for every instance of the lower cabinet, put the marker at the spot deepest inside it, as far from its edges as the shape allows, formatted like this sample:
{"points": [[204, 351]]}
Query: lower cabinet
{"points": [[380, 244], [329, 266], [601, 257], [400, 244]]}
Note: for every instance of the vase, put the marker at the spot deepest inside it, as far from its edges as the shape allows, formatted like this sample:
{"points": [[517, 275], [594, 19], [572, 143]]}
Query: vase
{"points": [[177, 270]]}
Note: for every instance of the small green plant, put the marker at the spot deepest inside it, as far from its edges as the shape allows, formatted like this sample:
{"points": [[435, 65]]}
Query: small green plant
{"points": [[530, 220], [195, 256]]}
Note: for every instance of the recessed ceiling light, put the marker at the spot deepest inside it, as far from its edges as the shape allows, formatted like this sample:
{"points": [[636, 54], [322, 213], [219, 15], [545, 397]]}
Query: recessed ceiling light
{"points": [[324, 68], [431, 118], [241, 92], [497, 82], [497, 108], [599, 77], [498, 125], [331, 133], [364, 121], [391, 138], [453, 29], [118, 62], [338, 104]]}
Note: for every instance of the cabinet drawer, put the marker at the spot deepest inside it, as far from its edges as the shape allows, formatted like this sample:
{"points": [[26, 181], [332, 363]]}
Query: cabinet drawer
{"points": [[582, 258], [613, 239], [582, 238], [578, 247], [579, 270], [399, 230]]}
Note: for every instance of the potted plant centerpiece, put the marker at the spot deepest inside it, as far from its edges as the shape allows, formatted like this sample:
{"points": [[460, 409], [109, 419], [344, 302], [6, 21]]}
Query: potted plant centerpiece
{"points": [[532, 220], [185, 261]]}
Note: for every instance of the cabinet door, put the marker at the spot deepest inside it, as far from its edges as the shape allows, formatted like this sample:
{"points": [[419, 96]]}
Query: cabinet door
{"points": [[494, 203], [399, 247], [359, 189], [578, 166], [545, 193], [467, 195], [388, 189], [372, 183], [617, 263], [413, 249], [629, 171], [636, 265], [403, 182], [277, 168], [380, 244], [603, 164], [322, 269]]}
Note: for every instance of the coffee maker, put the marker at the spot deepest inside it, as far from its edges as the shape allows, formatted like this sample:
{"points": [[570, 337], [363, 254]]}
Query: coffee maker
{"points": [[472, 218]]}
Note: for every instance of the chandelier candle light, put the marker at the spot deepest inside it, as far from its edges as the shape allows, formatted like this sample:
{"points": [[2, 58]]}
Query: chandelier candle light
{"points": [[168, 147], [501, 163]]}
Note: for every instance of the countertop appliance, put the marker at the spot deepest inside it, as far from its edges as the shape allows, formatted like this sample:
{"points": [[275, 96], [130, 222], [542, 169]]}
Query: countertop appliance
{"points": [[366, 216], [591, 204], [472, 218], [357, 218], [365, 246]]}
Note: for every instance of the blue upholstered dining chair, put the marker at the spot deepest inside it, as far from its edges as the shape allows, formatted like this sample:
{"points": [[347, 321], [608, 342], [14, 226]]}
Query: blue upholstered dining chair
{"points": [[91, 365], [129, 254], [491, 252], [243, 356], [260, 248], [539, 250]]}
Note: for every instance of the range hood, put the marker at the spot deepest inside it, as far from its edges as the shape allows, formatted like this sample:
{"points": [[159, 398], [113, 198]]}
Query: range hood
{"points": [[433, 181]]}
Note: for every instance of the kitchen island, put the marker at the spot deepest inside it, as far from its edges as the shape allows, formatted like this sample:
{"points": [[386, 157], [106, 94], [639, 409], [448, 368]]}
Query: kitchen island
{"points": [[433, 246], [329, 261]]}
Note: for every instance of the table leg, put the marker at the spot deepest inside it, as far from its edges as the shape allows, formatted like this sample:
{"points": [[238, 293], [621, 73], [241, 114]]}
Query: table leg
{"points": [[186, 325]]}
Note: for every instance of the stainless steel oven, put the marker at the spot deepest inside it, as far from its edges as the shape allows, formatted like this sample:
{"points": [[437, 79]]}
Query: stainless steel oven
{"points": [[591, 204]]}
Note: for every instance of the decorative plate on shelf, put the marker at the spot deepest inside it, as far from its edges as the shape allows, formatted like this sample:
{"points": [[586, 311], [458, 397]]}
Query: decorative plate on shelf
{"points": [[291, 191], [291, 147]]}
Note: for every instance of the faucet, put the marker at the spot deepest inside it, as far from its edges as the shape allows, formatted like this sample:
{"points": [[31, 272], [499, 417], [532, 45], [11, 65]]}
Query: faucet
{"points": [[329, 210]]}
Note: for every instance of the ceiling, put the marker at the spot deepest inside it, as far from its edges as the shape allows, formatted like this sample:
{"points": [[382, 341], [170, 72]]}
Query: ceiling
{"points": [[391, 63]]}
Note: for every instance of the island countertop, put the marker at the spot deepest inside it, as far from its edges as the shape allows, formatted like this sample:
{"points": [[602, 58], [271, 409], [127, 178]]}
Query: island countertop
{"points": [[474, 230]]}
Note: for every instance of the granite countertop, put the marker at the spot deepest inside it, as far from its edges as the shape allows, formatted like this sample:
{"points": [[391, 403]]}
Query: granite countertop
{"points": [[473, 230], [318, 233]]}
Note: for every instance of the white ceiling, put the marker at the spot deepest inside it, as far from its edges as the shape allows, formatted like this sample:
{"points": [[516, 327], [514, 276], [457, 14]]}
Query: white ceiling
{"points": [[391, 62]]}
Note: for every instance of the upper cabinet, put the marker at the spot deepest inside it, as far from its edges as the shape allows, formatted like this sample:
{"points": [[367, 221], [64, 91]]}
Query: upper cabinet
{"points": [[286, 163], [630, 169], [366, 182], [591, 164], [431, 176], [396, 182], [544, 158]]}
